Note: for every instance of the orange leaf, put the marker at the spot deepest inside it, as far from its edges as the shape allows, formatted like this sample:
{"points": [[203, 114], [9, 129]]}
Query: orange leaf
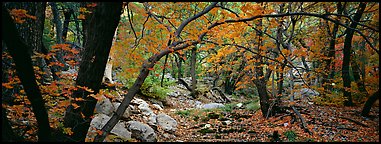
{"points": [[75, 105], [150, 69], [79, 99]]}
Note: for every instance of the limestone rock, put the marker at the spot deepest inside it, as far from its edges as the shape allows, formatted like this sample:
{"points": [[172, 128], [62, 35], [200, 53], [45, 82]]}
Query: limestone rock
{"points": [[166, 122], [141, 131]]}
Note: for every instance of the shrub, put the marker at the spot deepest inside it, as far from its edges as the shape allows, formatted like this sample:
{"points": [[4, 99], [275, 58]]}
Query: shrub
{"points": [[290, 134]]}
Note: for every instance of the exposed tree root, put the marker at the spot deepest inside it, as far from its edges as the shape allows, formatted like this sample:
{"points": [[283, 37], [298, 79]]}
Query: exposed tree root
{"points": [[354, 121]]}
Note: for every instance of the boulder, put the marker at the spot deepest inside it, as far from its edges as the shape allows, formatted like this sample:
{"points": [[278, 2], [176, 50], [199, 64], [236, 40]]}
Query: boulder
{"points": [[141, 131], [137, 101], [152, 119], [198, 104], [144, 108], [104, 106], [127, 112], [305, 92], [100, 120], [212, 105], [166, 122], [156, 106], [155, 101]]}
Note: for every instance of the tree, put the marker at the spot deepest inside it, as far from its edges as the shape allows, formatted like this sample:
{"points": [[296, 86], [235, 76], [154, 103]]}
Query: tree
{"points": [[347, 54], [19, 51], [101, 26]]}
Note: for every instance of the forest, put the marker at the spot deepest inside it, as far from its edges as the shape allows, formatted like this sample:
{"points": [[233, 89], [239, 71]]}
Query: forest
{"points": [[190, 72]]}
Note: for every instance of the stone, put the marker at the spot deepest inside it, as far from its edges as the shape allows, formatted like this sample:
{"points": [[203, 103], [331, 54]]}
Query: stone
{"points": [[137, 101], [166, 122], [198, 104], [100, 120], [127, 112], [144, 108], [104, 106], [239, 105], [152, 119], [141, 131], [156, 106], [212, 105]]}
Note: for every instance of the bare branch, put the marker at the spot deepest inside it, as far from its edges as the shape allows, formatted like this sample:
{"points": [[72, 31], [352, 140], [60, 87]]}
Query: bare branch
{"points": [[187, 21]]}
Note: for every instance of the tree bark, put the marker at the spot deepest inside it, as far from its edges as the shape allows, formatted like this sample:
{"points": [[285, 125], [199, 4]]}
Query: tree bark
{"points": [[193, 72], [102, 24], [67, 15], [59, 36], [368, 104], [331, 51], [19, 51], [32, 30], [347, 55]]}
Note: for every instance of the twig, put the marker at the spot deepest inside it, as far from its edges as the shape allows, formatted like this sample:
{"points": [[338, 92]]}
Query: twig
{"points": [[354, 121]]}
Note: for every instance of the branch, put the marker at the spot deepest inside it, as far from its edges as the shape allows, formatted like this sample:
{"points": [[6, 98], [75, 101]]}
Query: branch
{"points": [[292, 14], [187, 21]]}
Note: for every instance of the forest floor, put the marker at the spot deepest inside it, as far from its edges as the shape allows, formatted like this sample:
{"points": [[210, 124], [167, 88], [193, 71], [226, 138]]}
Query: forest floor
{"points": [[325, 123]]}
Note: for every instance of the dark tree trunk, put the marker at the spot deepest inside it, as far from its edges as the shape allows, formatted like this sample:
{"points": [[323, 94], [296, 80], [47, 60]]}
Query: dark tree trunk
{"points": [[32, 30], [260, 81], [368, 104], [179, 68], [164, 67], [228, 83], [331, 51], [347, 55], [193, 72], [59, 36], [19, 51], [65, 28], [101, 27], [356, 75]]}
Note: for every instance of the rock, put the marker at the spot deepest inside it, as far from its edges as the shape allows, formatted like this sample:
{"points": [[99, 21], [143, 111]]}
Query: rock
{"points": [[126, 113], [212, 105], [227, 122], [137, 101], [154, 101], [144, 108], [104, 106], [152, 119], [308, 92], [156, 106], [207, 126], [174, 94], [198, 104], [141, 131], [166, 122], [239, 105], [100, 120], [305, 92]]}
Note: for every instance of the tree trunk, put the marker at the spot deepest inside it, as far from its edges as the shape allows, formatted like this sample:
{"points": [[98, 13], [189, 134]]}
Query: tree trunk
{"points": [[331, 52], [193, 72], [19, 51], [164, 67], [59, 40], [65, 28], [32, 30], [179, 68], [368, 104], [347, 55], [102, 24]]}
